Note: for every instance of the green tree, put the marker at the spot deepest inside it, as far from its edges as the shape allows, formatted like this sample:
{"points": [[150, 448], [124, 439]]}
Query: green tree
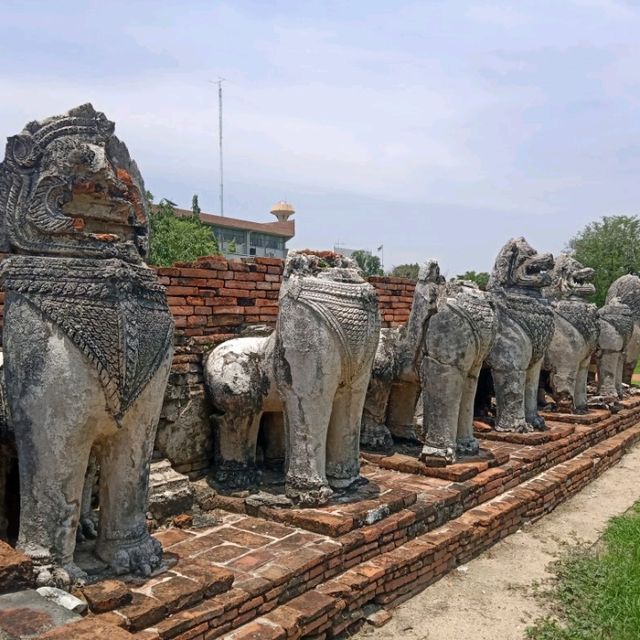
{"points": [[176, 239], [611, 246], [369, 264], [406, 271], [481, 278], [195, 207]]}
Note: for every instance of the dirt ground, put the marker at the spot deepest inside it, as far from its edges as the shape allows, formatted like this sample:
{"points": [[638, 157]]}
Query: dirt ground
{"points": [[492, 597]]}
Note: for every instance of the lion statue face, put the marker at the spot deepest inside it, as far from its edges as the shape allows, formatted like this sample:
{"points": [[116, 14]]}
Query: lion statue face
{"points": [[69, 188], [570, 279], [520, 266]]}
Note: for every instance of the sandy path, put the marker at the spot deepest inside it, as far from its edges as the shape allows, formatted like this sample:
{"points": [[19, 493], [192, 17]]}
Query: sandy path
{"points": [[491, 598]]}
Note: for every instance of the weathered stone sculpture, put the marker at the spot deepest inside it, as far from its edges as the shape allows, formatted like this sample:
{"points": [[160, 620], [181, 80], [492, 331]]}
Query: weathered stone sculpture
{"points": [[458, 339], [241, 383], [314, 368], [395, 385], [525, 329], [627, 290], [575, 337], [616, 327], [87, 339]]}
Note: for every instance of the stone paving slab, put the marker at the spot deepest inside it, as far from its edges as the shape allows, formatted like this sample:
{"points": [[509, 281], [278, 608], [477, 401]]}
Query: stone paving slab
{"points": [[26, 614], [555, 431], [591, 417]]}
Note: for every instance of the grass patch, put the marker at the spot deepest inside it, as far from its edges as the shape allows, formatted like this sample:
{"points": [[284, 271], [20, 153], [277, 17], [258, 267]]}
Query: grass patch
{"points": [[597, 592]]}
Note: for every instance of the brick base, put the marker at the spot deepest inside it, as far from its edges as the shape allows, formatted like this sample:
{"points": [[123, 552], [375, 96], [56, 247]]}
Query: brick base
{"points": [[280, 573]]}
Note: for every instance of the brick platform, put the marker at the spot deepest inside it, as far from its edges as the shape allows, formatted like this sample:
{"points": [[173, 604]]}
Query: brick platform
{"points": [[286, 573]]}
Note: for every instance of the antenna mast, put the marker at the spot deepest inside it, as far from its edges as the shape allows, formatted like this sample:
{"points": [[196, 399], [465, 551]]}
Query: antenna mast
{"points": [[220, 81]]}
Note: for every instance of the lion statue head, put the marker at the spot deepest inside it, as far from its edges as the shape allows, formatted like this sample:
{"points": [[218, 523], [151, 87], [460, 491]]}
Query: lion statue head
{"points": [[570, 279], [69, 188], [519, 266]]}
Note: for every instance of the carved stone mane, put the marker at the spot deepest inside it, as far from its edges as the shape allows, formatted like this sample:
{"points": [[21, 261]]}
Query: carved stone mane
{"points": [[516, 266]]}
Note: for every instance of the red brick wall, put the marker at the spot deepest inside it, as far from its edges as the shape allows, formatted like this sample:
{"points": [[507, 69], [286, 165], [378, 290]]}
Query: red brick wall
{"points": [[212, 299]]}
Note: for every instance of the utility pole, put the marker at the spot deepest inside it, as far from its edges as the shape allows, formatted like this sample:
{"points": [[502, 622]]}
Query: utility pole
{"points": [[220, 81]]}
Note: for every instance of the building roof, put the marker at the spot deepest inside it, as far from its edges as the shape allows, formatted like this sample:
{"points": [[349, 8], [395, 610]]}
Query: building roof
{"points": [[282, 229]]}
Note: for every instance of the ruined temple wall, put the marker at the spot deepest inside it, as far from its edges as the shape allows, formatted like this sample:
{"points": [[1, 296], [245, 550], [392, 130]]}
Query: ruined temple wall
{"points": [[213, 300]]}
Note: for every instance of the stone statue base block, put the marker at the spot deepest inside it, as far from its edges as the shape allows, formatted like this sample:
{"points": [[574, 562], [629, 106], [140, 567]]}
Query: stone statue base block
{"points": [[591, 417], [555, 431], [435, 467]]}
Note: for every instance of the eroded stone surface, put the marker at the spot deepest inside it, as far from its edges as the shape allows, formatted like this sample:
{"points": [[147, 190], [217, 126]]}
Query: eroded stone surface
{"points": [[87, 339], [170, 493], [627, 290]]}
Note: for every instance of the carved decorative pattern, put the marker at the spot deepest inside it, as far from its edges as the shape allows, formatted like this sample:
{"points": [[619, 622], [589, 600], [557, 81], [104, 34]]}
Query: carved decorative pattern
{"points": [[619, 316], [533, 315], [114, 312], [583, 316], [349, 308], [42, 167]]}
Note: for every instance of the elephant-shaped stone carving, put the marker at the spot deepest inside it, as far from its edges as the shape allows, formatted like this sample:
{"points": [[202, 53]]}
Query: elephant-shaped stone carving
{"points": [[314, 368], [627, 290], [616, 328], [87, 339], [525, 329], [575, 336], [458, 339], [395, 385]]}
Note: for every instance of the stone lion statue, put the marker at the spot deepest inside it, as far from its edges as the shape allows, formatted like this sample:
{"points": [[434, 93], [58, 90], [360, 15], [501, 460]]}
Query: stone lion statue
{"points": [[575, 336], [627, 290], [314, 369], [438, 353], [525, 329], [87, 339], [616, 329], [457, 341]]}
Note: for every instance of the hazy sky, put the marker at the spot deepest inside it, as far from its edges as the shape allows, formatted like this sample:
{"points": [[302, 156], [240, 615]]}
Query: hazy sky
{"points": [[437, 128]]}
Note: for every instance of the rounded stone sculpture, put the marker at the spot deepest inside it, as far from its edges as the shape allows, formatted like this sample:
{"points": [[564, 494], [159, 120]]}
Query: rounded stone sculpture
{"points": [[575, 336], [458, 339], [87, 339], [525, 329], [314, 369]]}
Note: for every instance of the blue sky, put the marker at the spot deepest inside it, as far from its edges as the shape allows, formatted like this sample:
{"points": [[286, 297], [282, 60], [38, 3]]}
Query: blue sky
{"points": [[437, 128]]}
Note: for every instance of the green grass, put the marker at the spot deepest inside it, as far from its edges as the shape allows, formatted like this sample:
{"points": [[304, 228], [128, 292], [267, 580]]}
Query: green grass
{"points": [[597, 592]]}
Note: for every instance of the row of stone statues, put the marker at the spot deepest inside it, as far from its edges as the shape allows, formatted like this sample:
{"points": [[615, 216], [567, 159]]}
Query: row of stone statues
{"points": [[533, 318], [88, 347]]}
